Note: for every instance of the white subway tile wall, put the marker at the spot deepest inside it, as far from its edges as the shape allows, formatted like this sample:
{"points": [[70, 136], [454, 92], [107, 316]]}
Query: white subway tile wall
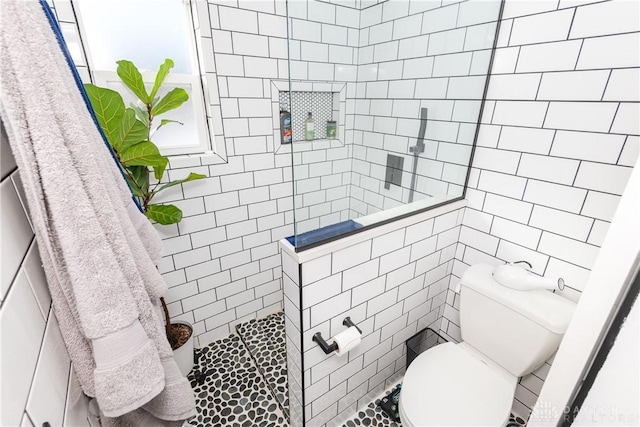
{"points": [[418, 54], [562, 109], [391, 286]]}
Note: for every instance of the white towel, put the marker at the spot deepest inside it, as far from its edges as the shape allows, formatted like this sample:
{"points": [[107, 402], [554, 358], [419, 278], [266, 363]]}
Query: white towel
{"points": [[99, 252]]}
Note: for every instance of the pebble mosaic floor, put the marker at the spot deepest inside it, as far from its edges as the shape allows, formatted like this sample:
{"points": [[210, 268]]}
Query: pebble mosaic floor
{"points": [[373, 415], [265, 338], [241, 381], [229, 389]]}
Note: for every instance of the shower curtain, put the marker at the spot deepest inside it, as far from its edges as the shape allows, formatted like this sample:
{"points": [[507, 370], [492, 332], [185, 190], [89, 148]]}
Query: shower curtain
{"points": [[98, 250]]}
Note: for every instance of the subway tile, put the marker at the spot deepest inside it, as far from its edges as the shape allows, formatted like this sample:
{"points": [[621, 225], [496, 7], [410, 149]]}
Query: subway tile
{"points": [[423, 248], [554, 169], [626, 120], [351, 256], [618, 51], [244, 88], [480, 37], [238, 20], [386, 51], [557, 56], [333, 34], [621, 17], [250, 44], [623, 85], [503, 184], [415, 47], [598, 233], [23, 324], [257, 5], [380, 33], [330, 308], [314, 52], [450, 65], [573, 86], [476, 219], [479, 240], [322, 12], [442, 18], [601, 177], [407, 27], [520, 113], [367, 291], [387, 243], [526, 30], [394, 260], [260, 67], [528, 140], [518, 233], [306, 30], [514, 86], [507, 208], [229, 65], [472, 13], [562, 197], [321, 290], [446, 42], [16, 234], [573, 251], [496, 160], [559, 222], [348, 17], [360, 274], [597, 147], [600, 205], [528, 7], [272, 25]]}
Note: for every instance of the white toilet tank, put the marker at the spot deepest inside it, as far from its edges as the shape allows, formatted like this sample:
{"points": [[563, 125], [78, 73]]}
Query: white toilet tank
{"points": [[518, 330]]}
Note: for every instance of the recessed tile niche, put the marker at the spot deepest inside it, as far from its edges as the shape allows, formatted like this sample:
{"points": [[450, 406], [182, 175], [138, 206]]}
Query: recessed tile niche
{"points": [[325, 101]]}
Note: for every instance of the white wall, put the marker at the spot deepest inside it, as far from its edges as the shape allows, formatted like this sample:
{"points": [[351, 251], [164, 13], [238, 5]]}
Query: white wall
{"points": [[558, 142]]}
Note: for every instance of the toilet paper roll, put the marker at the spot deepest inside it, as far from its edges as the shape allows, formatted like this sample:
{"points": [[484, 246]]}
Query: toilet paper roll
{"points": [[347, 340]]}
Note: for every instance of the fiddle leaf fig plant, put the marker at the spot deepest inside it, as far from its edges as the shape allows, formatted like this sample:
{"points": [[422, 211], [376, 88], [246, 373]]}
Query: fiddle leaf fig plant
{"points": [[129, 130]]}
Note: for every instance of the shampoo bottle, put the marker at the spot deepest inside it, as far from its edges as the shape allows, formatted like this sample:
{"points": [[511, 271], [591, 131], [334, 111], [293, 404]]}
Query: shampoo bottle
{"points": [[309, 128]]}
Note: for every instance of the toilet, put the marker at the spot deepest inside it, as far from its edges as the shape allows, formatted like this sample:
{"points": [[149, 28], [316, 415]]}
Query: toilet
{"points": [[506, 334]]}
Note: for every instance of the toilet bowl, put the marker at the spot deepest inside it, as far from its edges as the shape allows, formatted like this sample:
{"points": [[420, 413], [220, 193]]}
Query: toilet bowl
{"points": [[506, 333]]}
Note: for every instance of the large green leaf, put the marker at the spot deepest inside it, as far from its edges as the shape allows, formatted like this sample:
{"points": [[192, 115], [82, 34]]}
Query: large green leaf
{"points": [[109, 108], [164, 214], [143, 154], [162, 74], [131, 131], [132, 78], [138, 179], [172, 100], [192, 177]]}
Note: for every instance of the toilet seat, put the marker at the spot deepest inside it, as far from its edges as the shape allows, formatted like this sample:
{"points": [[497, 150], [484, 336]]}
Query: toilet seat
{"points": [[450, 385]]}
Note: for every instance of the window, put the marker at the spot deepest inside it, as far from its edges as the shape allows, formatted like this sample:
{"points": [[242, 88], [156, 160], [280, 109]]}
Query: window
{"points": [[146, 32]]}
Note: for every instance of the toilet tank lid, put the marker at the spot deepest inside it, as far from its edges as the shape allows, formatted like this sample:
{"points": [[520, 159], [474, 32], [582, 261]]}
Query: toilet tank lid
{"points": [[547, 309]]}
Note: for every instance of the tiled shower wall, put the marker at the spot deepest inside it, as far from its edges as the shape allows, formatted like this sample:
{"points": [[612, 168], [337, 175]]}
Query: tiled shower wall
{"points": [[391, 286], [413, 55], [558, 141], [38, 382], [222, 261]]}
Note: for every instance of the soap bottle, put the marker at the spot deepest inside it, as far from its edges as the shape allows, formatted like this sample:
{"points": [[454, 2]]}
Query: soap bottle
{"points": [[309, 128]]}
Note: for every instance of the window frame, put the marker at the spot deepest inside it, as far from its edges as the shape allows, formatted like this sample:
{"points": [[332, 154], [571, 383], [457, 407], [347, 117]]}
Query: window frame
{"points": [[194, 81]]}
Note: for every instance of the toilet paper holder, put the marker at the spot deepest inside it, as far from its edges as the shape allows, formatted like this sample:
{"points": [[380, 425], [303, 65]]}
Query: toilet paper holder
{"points": [[329, 348]]}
